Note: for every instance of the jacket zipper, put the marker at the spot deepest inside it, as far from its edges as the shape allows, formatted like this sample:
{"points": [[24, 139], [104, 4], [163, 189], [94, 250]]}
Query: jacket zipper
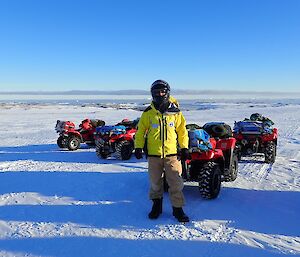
{"points": [[166, 129], [160, 129]]}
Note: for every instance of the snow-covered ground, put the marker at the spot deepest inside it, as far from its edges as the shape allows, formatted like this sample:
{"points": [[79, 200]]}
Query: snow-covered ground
{"points": [[59, 203]]}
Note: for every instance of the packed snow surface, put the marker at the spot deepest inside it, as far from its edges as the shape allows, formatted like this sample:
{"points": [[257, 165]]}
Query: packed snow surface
{"points": [[55, 202]]}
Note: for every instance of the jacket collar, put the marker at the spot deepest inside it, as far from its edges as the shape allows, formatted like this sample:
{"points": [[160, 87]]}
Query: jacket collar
{"points": [[172, 108]]}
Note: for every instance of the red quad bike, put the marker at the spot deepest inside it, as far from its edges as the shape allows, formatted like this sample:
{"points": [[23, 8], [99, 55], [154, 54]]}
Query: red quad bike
{"points": [[117, 140], [256, 137], [71, 138], [213, 157]]}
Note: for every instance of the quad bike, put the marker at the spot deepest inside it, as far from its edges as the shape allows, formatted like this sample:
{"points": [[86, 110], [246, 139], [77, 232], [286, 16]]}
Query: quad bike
{"points": [[225, 141], [254, 136], [213, 159], [71, 138], [117, 140]]}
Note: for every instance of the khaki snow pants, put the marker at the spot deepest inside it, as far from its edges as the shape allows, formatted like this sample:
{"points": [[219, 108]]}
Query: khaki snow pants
{"points": [[172, 168]]}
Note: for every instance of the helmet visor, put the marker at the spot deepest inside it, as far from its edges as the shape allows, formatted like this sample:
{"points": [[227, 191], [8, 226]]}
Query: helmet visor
{"points": [[159, 92]]}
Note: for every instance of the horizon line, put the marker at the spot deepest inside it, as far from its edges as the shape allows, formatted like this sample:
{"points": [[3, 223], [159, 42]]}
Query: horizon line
{"points": [[140, 92]]}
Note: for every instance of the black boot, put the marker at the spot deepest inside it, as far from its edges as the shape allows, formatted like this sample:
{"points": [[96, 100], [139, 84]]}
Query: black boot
{"points": [[156, 208], [179, 214]]}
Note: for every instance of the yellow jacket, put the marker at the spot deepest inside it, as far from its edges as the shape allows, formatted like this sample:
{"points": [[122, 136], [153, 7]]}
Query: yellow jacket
{"points": [[163, 131]]}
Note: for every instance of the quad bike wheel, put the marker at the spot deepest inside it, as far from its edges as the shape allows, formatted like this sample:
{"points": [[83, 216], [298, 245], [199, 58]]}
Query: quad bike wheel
{"points": [[101, 153], [124, 150], [233, 169], [270, 152], [210, 180], [73, 143], [61, 142]]}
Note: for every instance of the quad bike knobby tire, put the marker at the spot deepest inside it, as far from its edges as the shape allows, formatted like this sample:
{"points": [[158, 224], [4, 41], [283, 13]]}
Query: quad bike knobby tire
{"points": [[270, 152], [100, 153], [124, 150], [61, 142], [210, 180], [233, 169], [73, 143]]}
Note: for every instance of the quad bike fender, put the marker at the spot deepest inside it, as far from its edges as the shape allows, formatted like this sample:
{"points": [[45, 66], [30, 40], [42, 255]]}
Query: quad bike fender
{"points": [[270, 137], [213, 142], [64, 126], [128, 136], [74, 134], [114, 138], [208, 155], [226, 143]]}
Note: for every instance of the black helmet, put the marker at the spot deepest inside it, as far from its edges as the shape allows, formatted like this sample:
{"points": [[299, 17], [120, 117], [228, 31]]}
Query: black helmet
{"points": [[157, 87], [160, 84]]}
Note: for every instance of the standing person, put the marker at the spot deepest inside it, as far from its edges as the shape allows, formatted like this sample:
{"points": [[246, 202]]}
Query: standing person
{"points": [[162, 128]]}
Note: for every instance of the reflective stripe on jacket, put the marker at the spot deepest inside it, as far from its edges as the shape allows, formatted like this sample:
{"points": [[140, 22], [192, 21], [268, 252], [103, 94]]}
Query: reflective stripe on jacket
{"points": [[163, 131]]}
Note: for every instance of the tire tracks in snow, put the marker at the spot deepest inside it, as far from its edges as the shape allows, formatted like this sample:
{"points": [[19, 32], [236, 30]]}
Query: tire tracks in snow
{"points": [[288, 142], [254, 170]]}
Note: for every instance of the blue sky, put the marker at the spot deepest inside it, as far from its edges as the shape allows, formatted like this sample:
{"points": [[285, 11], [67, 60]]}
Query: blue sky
{"points": [[98, 45]]}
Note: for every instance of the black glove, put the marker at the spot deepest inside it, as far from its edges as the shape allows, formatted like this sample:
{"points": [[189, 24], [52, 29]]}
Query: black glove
{"points": [[138, 152], [185, 155]]}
